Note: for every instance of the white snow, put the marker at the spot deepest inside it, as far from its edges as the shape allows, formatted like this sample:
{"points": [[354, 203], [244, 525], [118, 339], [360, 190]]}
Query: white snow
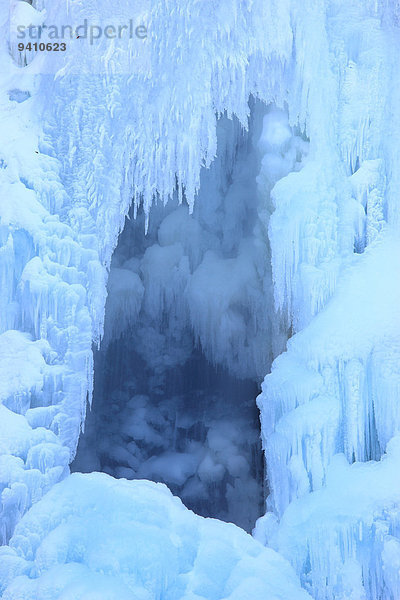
{"points": [[95, 537], [335, 256], [330, 534]]}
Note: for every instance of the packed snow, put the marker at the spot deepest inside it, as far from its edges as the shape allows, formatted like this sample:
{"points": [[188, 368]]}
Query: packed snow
{"points": [[100, 538]]}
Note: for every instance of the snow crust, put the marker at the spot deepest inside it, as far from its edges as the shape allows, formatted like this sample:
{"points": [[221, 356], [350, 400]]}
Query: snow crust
{"points": [[97, 537]]}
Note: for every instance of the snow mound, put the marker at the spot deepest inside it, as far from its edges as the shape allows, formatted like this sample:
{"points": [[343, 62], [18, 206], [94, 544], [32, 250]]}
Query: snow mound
{"points": [[94, 537]]}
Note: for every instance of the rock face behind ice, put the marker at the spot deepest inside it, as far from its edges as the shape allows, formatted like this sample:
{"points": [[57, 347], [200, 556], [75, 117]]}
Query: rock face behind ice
{"points": [[94, 537]]}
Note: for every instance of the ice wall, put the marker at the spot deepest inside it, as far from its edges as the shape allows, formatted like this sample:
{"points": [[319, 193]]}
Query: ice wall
{"points": [[330, 406], [106, 138], [76, 147]]}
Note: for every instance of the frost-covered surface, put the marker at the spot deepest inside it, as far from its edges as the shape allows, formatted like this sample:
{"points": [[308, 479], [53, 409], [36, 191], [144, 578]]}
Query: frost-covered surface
{"points": [[347, 534], [97, 537], [336, 388], [76, 148], [332, 398]]}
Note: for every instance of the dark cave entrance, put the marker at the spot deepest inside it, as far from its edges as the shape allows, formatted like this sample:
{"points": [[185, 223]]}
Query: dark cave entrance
{"points": [[187, 341], [194, 427]]}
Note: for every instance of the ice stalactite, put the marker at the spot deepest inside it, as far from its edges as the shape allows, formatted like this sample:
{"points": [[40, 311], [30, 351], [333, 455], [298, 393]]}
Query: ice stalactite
{"points": [[78, 146], [188, 333], [329, 407], [76, 149]]}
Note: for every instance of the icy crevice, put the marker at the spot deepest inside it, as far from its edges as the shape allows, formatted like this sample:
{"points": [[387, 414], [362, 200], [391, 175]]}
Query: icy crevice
{"points": [[188, 333]]}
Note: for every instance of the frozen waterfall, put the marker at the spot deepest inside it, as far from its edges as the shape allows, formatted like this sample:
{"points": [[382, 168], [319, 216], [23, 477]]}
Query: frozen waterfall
{"points": [[187, 338], [199, 266]]}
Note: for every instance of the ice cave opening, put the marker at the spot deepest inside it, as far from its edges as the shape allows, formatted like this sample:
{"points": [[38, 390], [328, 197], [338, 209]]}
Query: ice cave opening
{"points": [[190, 332], [191, 426]]}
